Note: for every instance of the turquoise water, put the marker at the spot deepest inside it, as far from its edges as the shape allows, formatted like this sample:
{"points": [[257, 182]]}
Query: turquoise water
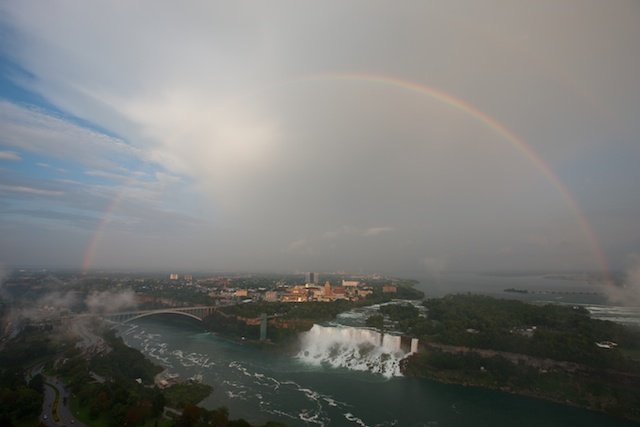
{"points": [[272, 384]]}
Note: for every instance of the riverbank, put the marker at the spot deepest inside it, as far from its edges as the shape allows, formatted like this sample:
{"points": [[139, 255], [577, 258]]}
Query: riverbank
{"points": [[613, 393], [549, 352], [278, 385]]}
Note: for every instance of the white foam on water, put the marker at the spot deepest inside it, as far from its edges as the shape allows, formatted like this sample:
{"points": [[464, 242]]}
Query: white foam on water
{"points": [[239, 395], [313, 412], [357, 349], [618, 314], [330, 401], [284, 414], [313, 419], [349, 416], [252, 385], [352, 315], [130, 329], [392, 423]]}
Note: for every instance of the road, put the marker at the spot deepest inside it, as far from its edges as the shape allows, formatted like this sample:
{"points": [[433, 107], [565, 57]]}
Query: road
{"points": [[66, 418]]}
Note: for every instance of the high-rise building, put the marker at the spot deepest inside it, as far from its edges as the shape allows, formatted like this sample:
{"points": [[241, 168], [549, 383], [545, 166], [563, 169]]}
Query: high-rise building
{"points": [[327, 290], [312, 278], [173, 276]]}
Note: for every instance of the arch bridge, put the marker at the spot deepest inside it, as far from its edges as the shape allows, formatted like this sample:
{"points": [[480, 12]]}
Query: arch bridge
{"points": [[197, 313]]}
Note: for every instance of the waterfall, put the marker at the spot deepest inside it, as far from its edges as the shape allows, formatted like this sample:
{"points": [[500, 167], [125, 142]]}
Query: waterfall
{"points": [[353, 348]]}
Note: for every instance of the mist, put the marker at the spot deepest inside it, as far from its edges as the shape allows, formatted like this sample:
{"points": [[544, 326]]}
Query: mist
{"points": [[110, 302], [628, 293]]}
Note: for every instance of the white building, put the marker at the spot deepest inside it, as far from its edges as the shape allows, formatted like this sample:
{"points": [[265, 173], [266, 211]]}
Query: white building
{"points": [[350, 283]]}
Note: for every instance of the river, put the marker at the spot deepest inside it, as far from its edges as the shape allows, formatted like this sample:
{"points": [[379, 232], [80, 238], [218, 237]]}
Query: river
{"points": [[290, 385], [541, 289]]}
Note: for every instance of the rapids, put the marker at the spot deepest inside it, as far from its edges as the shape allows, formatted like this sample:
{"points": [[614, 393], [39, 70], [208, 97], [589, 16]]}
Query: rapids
{"points": [[356, 349]]}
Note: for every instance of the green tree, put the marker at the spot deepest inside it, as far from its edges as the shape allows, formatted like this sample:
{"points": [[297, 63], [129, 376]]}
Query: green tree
{"points": [[375, 321], [159, 401]]}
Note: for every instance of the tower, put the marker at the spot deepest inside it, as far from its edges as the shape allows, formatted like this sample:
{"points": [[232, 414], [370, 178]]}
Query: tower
{"points": [[311, 277]]}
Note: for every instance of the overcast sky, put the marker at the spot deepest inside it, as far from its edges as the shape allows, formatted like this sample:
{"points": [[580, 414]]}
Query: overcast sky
{"points": [[238, 136]]}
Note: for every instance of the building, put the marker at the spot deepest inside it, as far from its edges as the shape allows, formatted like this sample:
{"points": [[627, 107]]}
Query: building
{"points": [[241, 293], [312, 278], [389, 289], [188, 278], [327, 291], [173, 276], [315, 292], [350, 283], [298, 293], [339, 293], [271, 296], [364, 292], [293, 298]]}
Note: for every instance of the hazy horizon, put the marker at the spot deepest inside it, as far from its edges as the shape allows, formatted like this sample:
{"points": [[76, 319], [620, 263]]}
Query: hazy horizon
{"points": [[342, 136], [417, 274]]}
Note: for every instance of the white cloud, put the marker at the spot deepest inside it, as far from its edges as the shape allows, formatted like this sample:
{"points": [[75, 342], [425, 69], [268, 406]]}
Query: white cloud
{"points": [[35, 131], [346, 230], [10, 155], [341, 232], [216, 95], [30, 190], [48, 166], [376, 231], [108, 175], [225, 150]]}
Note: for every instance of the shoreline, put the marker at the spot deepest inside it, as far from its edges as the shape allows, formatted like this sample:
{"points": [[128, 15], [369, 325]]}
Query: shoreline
{"points": [[441, 376], [449, 377], [513, 392]]}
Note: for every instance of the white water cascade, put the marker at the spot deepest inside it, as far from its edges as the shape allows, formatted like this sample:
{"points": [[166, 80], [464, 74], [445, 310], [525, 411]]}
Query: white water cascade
{"points": [[353, 348]]}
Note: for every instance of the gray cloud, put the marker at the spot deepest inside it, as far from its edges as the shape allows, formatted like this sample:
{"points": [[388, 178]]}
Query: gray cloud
{"points": [[289, 166], [35, 131], [9, 155]]}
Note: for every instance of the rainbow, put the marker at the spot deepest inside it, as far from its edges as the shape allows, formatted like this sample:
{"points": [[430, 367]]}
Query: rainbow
{"points": [[501, 130], [465, 107]]}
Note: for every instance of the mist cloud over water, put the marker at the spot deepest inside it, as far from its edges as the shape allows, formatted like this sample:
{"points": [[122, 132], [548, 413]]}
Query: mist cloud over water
{"points": [[58, 300], [628, 293], [54, 303], [109, 301]]}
